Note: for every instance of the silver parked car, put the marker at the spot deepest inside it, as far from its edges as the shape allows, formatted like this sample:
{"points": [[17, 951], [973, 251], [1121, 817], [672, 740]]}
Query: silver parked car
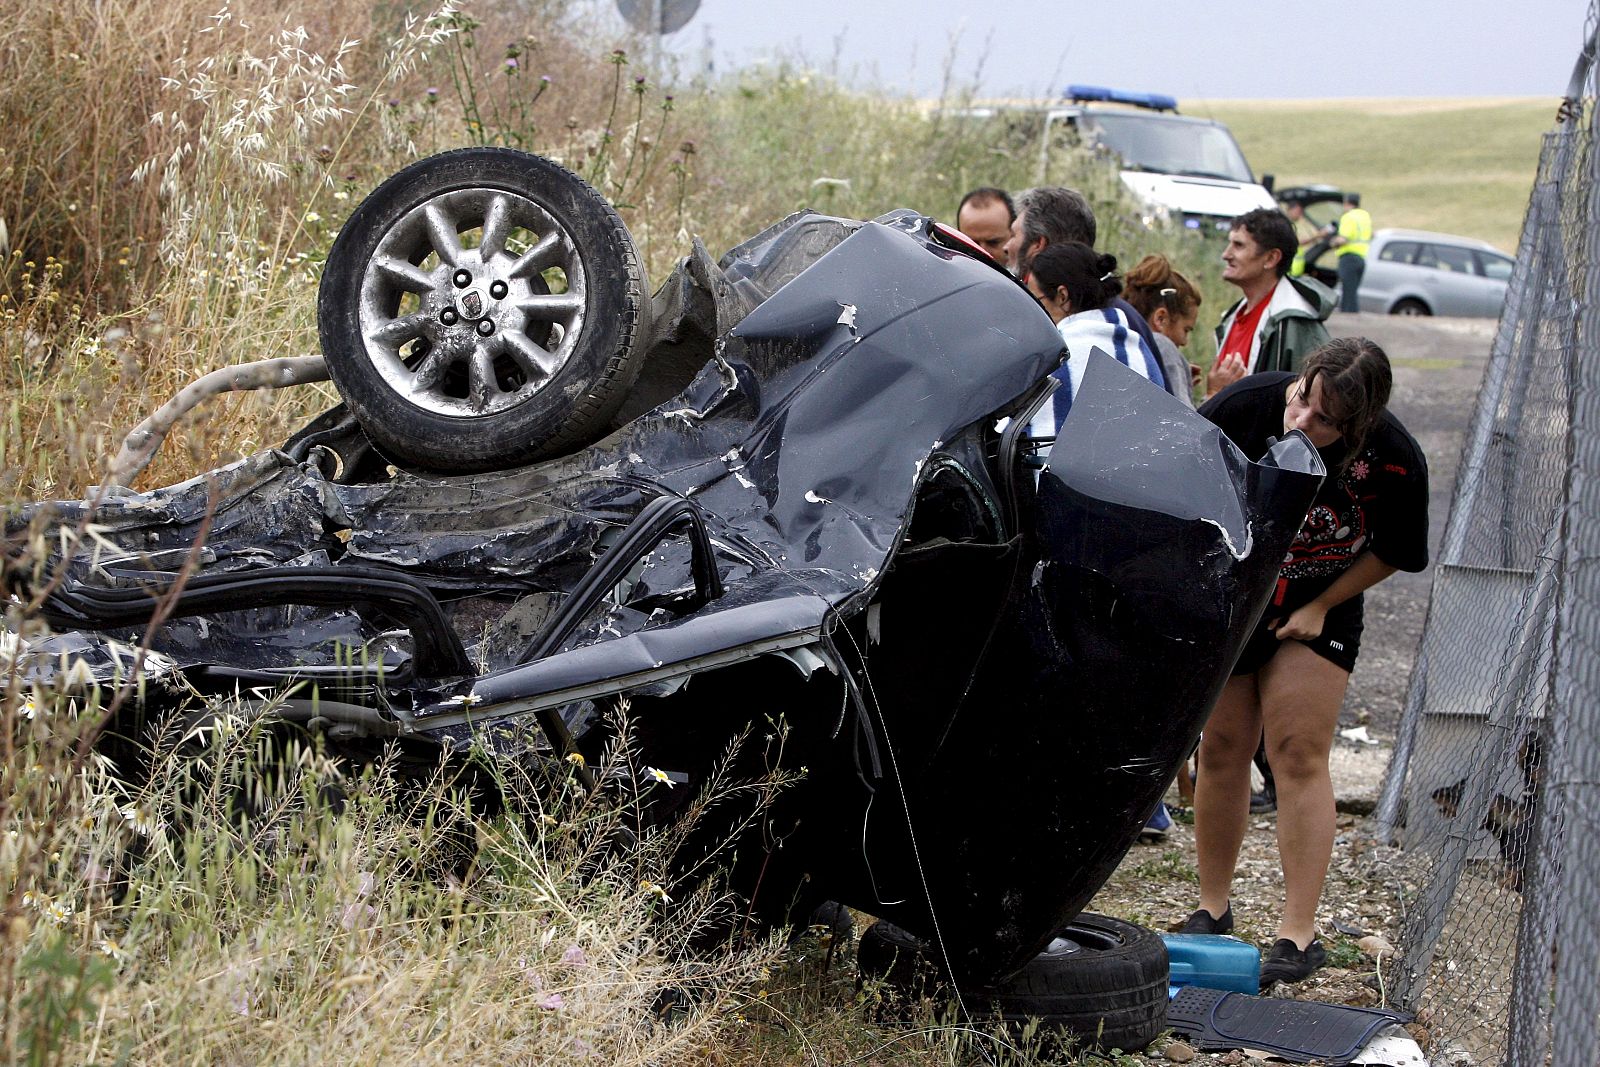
{"points": [[1414, 272]]}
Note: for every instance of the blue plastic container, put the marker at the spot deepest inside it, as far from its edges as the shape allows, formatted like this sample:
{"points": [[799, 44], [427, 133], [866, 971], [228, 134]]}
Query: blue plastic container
{"points": [[1212, 961]]}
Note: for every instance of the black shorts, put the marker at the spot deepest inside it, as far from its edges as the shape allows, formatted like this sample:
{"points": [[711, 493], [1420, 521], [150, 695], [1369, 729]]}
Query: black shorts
{"points": [[1339, 643]]}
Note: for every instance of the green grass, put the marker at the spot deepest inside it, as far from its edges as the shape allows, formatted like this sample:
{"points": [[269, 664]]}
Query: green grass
{"points": [[1459, 166], [1172, 866], [1342, 952]]}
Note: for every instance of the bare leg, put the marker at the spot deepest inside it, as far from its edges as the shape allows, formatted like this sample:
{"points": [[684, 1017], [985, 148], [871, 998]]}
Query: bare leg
{"points": [[1300, 698], [1222, 788], [1186, 782]]}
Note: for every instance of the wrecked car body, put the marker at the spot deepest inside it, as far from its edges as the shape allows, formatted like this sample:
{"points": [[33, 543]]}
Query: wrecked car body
{"points": [[989, 666]]}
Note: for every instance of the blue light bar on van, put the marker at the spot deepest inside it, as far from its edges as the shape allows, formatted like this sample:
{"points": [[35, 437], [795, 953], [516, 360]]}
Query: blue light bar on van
{"points": [[1094, 94]]}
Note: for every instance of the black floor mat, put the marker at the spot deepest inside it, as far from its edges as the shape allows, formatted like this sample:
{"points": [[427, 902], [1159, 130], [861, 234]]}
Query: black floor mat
{"points": [[1297, 1030]]}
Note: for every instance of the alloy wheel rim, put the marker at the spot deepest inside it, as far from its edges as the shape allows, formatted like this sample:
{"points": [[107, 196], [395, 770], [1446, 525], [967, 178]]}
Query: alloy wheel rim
{"points": [[472, 302]]}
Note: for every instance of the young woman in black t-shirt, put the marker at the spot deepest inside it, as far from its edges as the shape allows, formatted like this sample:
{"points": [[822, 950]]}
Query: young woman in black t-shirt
{"points": [[1369, 519]]}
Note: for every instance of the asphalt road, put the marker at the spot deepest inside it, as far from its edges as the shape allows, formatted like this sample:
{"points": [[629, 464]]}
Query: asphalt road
{"points": [[1438, 365]]}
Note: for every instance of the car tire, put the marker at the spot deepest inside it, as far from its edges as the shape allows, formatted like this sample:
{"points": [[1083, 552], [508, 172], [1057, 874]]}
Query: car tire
{"points": [[1410, 306], [481, 309], [1103, 980]]}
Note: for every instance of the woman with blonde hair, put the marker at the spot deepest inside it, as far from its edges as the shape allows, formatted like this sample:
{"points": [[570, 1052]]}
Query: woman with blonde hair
{"points": [[1170, 303]]}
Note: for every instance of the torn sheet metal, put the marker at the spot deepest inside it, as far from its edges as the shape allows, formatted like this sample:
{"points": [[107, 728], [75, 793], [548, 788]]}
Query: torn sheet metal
{"points": [[1109, 661], [1069, 674]]}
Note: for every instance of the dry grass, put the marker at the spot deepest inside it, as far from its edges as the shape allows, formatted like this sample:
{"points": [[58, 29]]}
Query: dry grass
{"points": [[170, 228], [179, 225], [353, 913]]}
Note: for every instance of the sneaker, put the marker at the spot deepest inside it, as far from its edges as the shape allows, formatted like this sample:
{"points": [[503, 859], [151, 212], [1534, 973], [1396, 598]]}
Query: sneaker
{"points": [[1156, 827], [1287, 962], [1201, 922], [1263, 803]]}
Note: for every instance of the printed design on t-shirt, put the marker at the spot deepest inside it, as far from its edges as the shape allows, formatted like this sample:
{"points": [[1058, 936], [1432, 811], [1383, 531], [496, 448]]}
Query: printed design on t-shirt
{"points": [[1335, 530]]}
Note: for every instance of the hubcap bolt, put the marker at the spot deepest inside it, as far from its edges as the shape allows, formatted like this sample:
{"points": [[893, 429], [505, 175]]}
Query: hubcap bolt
{"points": [[485, 327], [462, 279], [448, 316], [498, 290]]}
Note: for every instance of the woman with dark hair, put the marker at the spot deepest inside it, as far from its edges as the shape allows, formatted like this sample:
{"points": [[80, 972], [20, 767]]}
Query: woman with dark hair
{"points": [[1075, 284], [1369, 519], [1170, 303]]}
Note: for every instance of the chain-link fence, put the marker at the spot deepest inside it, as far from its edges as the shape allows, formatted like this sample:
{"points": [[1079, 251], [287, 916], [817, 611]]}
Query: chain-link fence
{"points": [[1494, 789]]}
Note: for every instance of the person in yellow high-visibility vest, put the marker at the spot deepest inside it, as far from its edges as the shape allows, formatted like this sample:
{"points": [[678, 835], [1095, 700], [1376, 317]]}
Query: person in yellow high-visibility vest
{"points": [[1306, 233], [1355, 232]]}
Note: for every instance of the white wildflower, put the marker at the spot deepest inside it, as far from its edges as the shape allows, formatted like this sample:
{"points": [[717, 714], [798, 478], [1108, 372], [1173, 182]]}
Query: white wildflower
{"points": [[140, 820]]}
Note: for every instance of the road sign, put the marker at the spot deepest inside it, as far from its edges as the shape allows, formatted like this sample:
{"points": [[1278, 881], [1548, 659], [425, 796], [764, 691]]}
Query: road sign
{"points": [[658, 16]]}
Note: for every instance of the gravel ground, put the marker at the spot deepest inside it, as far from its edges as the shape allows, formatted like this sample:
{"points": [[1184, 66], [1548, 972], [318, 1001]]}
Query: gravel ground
{"points": [[1359, 918], [1438, 366]]}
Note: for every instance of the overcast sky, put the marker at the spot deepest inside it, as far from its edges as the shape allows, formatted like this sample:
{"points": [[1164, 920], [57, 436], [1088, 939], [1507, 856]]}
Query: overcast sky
{"points": [[1187, 48]]}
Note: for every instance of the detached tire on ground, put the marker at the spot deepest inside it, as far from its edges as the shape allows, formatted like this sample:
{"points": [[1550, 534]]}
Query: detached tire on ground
{"points": [[483, 308], [1102, 980]]}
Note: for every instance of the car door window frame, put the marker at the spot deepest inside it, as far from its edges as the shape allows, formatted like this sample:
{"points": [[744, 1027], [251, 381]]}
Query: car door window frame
{"points": [[1409, 254], [1442, 262], [1486, 258]]}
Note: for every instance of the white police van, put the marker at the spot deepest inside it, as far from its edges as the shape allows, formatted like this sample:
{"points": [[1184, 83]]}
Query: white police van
{"points": [[1183, 168]]}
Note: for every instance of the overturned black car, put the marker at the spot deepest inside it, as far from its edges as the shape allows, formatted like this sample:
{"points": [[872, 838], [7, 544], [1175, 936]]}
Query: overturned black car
{"points": [[818, 505]]}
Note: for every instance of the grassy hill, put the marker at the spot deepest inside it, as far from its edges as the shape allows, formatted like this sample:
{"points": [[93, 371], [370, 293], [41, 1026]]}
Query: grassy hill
{"points": [[1457, 165]]}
